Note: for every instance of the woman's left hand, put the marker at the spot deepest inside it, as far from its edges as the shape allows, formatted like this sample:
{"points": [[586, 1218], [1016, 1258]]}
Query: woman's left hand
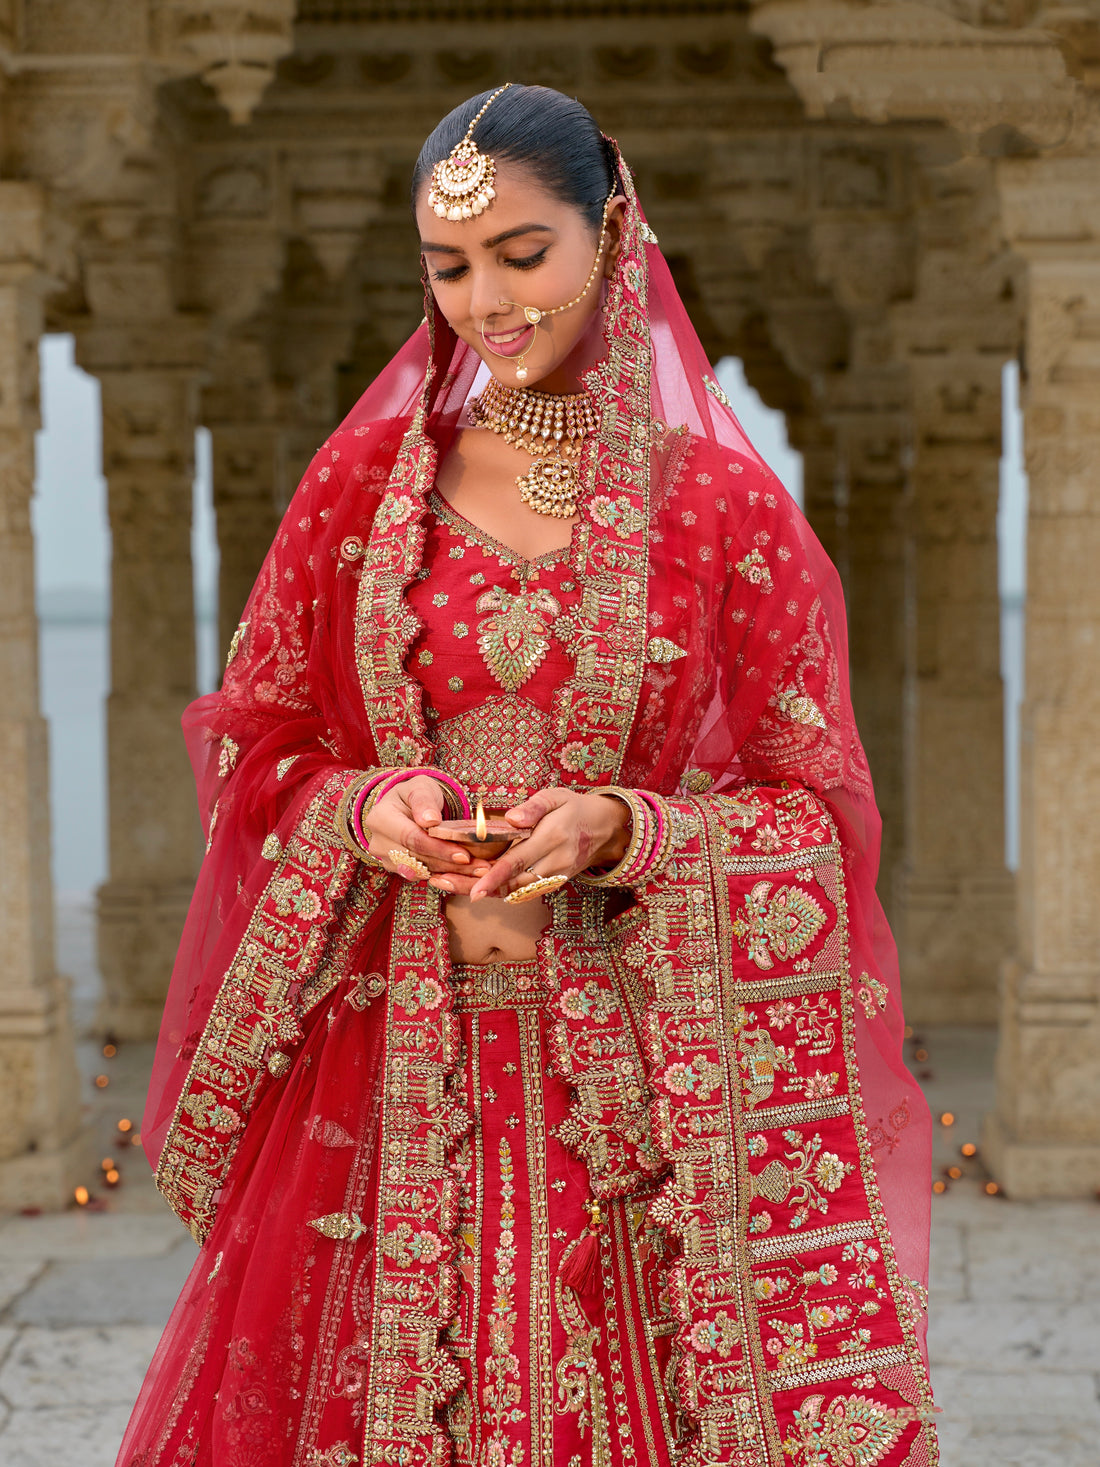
{"points": [[569, 833]]}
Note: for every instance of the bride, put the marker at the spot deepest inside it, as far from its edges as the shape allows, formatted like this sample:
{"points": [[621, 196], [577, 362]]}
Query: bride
{"points": [[524, 1060]]}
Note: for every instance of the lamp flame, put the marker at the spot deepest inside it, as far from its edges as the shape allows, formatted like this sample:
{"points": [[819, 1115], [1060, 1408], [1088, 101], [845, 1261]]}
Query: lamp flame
{"points": [[481, 830]]}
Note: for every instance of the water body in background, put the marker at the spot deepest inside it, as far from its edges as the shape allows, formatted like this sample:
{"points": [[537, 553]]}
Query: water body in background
{"points": [[72, 546]]}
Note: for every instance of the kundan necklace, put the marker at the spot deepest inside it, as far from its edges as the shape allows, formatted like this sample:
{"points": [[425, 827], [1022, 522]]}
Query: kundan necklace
{"points": [[551, 429]]}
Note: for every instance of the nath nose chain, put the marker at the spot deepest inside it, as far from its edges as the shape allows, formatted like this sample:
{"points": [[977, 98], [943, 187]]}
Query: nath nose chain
{"points": [[533, 315]]}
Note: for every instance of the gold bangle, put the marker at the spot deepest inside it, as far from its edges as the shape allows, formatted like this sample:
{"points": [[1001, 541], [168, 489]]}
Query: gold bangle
{"points": [[612, 877], [342, 819]]}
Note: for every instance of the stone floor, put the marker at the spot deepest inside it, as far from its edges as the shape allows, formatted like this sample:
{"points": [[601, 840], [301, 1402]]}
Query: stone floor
{"points": [[1015, 1297]]}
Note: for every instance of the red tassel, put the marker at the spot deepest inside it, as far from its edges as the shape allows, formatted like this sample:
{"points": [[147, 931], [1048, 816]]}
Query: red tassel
{"points": [[581, 1270]]}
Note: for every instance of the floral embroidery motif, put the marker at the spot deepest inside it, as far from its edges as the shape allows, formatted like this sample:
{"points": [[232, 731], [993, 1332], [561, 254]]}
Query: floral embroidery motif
{"points": [[395, 509], [227, 755], [514, 641], [345, 1227], [804, 1183], [871, 991], [616, 514], [715, 391], [593, 758], [235, 643], [780, 928], [755, 570]]}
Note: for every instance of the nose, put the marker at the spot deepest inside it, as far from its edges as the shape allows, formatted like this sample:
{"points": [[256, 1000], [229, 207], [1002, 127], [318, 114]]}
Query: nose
{"points": [[487, 298]]}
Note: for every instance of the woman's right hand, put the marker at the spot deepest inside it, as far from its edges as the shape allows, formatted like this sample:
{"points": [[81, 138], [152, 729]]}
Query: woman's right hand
{"points": [[398, 823]]}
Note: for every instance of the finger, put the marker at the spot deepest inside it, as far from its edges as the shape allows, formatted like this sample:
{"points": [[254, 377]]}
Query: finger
{"points": [[537, 806], [424, 798], [453, 883], [429, 847], [507, 869]]}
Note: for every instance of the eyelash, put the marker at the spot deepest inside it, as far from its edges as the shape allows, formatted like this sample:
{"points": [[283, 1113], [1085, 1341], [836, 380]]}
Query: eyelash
{"points": [[526, 262]]}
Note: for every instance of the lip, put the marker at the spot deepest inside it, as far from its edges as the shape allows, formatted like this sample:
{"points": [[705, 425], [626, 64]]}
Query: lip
{"points": [[501, 343]]}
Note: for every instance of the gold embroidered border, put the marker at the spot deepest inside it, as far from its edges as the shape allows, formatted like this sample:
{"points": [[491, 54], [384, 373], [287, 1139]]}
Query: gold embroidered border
{"points": [[253, 1024], [424, 1115]]}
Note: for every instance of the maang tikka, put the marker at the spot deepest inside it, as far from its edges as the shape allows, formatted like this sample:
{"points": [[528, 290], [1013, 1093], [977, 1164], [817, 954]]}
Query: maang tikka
{"points": [[462, 183]]}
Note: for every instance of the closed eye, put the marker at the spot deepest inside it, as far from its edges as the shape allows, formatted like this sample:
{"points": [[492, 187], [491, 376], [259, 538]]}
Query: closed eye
{"points": [[528, 262], [523, 262]]}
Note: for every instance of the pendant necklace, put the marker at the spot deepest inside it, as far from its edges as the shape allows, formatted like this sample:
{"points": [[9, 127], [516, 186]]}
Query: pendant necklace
{"points": [[551, 429]]}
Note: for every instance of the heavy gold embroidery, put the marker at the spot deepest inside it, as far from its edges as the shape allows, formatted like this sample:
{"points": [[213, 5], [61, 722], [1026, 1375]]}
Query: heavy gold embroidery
{"points": [[780, 928], [515, 641], [344, 1227], [662, 650], [854, 1430], [500, 1393], [580, 1385], [499, 750], [254, 1021]]}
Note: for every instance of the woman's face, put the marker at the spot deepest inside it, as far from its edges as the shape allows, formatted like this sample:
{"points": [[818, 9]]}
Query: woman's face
{"points": [[526, 249]]}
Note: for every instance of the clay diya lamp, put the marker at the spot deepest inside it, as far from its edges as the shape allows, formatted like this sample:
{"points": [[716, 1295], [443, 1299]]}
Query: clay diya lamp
{"points": [[487, 836]]}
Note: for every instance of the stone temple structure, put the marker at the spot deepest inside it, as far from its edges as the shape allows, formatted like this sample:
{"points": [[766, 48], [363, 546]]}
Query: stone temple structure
{"points": [[874, 203]]}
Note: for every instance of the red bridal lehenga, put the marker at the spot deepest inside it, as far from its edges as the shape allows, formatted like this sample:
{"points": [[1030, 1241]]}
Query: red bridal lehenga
{"points": [[392, 1164]]}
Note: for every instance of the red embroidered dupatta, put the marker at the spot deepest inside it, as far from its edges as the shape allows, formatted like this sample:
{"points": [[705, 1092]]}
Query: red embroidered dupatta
{"points": [[744, 1079]]}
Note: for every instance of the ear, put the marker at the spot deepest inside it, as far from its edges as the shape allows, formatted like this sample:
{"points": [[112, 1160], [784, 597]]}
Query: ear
{"points": [[614, 235]]}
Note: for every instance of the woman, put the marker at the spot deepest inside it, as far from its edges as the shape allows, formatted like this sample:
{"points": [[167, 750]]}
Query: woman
{"points": [[600, 1150]]}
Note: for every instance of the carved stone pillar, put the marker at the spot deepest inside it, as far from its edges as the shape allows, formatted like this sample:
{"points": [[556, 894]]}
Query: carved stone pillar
{"points": [[149, 387], [1044, 1137], [872, 434], [238, 406], [41, 1142], [822, 499], [954, 905]]}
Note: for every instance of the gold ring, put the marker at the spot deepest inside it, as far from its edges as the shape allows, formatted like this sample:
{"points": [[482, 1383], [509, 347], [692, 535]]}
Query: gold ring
{"points": [[541, 886], [401, 857]]}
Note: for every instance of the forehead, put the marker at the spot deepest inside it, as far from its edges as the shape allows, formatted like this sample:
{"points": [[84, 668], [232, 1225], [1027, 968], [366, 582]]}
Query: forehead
{"points": [[519, 200]]}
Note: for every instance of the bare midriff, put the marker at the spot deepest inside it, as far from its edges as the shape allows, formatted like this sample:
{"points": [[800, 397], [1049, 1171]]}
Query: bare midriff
{"points": [[492, 931]]}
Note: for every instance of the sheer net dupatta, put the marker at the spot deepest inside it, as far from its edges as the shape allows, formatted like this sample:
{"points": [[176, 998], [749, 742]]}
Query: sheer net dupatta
{"points": [[279, 897]]}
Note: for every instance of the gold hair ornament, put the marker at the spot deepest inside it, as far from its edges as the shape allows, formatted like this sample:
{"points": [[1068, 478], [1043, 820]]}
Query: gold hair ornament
{"points": [[462, 183]]}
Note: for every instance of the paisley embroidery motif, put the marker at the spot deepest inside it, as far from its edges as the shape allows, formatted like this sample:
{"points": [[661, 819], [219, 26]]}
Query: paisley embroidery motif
{"points": [[780, 928], [852, 1430], [514, 641]]}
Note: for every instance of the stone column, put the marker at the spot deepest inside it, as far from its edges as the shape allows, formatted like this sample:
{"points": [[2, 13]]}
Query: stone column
{"points": [[872, 434], [41, 1141], [1044, 1137], [822, 499], [955, 901], [239, 407], [150, 398]]}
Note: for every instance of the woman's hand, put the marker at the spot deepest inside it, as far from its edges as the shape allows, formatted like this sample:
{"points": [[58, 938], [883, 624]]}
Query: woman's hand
{"points": [[570, 833], [398, 823]]}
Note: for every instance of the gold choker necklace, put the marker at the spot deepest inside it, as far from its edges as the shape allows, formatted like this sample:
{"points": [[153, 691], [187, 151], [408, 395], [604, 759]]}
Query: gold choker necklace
{"points": [[551, 429]]}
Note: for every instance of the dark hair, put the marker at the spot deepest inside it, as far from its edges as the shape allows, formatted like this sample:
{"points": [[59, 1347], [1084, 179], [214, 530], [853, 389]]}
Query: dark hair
{"points": [[550, 135]]}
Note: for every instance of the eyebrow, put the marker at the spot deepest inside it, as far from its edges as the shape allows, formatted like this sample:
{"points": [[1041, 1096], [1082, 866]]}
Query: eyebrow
{"points": [[487, 244]]}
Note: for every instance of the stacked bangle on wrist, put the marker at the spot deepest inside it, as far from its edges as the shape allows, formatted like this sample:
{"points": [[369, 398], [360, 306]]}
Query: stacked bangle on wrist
{"points": [[648, 848], [367, 789]]}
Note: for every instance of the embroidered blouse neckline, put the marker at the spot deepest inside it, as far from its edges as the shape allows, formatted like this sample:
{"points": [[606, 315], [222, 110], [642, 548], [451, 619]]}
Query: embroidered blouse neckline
{"points": [[509, 557]]}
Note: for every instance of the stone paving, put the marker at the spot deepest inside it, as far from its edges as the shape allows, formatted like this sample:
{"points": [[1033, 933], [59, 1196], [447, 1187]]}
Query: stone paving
{"points": [[1015, 1297]]}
